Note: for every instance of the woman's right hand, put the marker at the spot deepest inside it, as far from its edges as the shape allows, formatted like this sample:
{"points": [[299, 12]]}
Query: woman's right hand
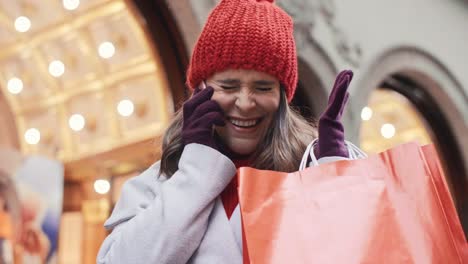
{"points": [[200, 115]]}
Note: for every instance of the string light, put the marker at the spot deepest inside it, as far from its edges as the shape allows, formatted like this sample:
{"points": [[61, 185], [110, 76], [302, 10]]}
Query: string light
{"points": [[15, 85], [125, 108], [22, 24], [71, 4], [106, 50], [32, 136], [76, 122], [56, 68], [101, 186], [387, 130], [366, 113]]}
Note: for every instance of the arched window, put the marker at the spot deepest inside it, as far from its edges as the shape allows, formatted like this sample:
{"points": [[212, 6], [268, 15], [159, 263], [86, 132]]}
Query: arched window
{"points": [[413, 97]]}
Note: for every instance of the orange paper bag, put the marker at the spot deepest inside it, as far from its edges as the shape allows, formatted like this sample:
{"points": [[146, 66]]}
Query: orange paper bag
{"points": [[393, 207]]}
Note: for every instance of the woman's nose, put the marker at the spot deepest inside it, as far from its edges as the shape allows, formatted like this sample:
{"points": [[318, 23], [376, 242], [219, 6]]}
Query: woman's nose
{"points": [[245, 100]]}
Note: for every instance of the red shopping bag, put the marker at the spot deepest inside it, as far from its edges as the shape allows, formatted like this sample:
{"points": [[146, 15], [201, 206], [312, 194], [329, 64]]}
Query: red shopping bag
{"points": [[388, 208]]}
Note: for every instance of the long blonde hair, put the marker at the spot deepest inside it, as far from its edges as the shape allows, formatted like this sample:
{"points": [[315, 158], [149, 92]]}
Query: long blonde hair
{"points": [[281, 149]]}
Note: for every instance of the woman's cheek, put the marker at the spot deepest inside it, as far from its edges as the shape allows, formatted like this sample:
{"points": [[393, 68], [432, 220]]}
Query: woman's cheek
{"points": [[223, 99]]}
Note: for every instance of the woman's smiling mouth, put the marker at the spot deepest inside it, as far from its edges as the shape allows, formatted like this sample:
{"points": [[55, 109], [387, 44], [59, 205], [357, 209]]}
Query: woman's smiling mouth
{"points": [[244, 123]]}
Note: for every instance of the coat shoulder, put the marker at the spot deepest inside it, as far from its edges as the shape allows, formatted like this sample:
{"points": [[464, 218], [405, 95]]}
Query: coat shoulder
{"points": [[136, 194]]}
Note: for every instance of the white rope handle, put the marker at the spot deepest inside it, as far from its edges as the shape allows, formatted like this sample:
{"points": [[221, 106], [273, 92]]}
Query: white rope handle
{"points": [[305, 157], [353, 152]]}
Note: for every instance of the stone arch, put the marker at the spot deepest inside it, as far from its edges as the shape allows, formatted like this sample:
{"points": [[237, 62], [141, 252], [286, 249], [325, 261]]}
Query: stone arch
{"points": [[316, 75], [171, 26], [441, 100]]}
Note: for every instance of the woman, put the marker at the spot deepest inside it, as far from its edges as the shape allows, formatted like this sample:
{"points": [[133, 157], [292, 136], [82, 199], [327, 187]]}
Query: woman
{"points": [[184, 208]]}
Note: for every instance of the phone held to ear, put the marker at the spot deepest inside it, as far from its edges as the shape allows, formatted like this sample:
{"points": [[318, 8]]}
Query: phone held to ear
{"points": [[202, 85]]}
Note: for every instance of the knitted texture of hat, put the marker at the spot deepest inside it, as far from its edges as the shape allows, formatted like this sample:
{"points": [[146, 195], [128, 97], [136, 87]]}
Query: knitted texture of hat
{"points": [[246, 34]]}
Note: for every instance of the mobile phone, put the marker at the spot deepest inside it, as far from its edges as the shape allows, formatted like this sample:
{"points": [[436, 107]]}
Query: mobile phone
{"points": [[202, 85]]}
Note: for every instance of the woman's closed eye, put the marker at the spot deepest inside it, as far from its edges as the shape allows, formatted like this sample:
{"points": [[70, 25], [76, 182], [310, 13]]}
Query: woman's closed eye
{"points": [[229, 87], [264, 89]]}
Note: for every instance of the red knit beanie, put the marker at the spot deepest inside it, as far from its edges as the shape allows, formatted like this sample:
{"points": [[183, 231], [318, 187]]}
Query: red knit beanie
{"points": [[246, 34]]}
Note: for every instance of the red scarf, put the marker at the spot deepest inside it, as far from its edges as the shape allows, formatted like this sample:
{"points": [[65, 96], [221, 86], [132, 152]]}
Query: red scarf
{"points": [[229, 195], [230, 200]]}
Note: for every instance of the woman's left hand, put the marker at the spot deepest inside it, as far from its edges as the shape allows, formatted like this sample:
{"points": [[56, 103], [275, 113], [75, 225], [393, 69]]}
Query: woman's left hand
{"points": [[331, 140]]}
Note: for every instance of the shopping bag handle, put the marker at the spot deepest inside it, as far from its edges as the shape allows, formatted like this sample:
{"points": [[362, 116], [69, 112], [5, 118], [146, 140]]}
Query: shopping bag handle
{"points": [[353, 152]]}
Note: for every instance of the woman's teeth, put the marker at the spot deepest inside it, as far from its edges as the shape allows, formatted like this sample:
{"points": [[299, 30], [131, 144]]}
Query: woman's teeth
{"points": [[248, 123]]}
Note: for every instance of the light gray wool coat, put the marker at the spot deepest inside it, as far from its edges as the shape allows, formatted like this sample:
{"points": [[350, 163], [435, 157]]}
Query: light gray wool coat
{"points": [[176, 220]]}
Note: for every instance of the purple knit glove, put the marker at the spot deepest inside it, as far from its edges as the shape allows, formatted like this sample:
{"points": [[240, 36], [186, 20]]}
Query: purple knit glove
{"points": [[331, 132], [200, 114]]}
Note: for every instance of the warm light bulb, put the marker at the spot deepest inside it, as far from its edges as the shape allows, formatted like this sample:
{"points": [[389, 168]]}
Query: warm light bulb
{"points": [[15, 85], [71, 4], [22, 24], [387, 130], [102, 186], [76, 122], [56, 68], [125, 107], [32, 136], [366, 113], [106, 50]]}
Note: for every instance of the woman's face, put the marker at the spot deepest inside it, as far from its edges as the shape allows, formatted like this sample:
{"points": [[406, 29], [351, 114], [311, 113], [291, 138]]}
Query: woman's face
{"points": [[249, 100]]}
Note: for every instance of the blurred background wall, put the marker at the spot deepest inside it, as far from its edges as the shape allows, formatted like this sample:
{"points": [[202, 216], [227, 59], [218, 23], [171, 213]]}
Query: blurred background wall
{"points": [[93, 83]]}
